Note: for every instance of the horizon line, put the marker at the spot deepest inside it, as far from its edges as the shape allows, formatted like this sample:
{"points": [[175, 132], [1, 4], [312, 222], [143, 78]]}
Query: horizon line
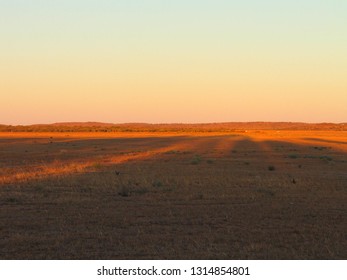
{"points": [[171, 123]]}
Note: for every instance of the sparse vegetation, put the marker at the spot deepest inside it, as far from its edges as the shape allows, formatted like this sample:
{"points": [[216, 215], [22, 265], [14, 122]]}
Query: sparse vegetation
{"points": [[320, 148], [129, 193], [12, 200], [124, 191], [157, 184], [172, 152], [92, 127], [293, 156], [127, 190], [271, 168], [265, 191], [196, 159], [327, 158]]}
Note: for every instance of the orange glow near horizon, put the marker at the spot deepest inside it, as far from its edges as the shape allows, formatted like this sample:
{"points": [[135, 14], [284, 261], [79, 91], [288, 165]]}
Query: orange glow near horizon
{"points": [[209, 145], [157, 62]]}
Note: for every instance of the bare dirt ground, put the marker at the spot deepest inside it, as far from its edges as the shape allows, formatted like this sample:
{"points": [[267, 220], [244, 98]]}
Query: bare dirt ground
{"points": [[259, 194]]}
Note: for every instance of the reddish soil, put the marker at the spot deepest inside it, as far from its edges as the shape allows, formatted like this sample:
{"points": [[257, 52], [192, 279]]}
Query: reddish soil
{"points": [[259, 194]]}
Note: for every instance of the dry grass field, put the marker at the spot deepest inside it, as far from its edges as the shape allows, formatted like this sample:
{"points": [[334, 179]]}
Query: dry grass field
{"points": [[259, 194]]}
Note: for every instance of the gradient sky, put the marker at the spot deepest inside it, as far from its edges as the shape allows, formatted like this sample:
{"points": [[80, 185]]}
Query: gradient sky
{"points": [[173, 61]]}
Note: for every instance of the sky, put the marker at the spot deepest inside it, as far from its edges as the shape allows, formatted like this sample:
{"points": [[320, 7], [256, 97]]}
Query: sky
{"points": [[166, 61]]}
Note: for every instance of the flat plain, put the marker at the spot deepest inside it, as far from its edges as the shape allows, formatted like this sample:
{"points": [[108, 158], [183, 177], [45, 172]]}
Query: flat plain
{"points": [[257, 194]]}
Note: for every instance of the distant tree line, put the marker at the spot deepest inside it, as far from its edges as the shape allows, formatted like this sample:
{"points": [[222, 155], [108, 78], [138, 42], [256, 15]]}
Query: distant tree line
{"points": [[208, 127]]}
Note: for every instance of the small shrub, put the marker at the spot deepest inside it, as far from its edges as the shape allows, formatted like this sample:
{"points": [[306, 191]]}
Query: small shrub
{"points": [[12, 200], [157, 184], [196, 159], [85, 189], [124, 191], [309, 156], [327, 158], [209, 161], [293, 156], [265, 191], [172, 152], [271, 168]]}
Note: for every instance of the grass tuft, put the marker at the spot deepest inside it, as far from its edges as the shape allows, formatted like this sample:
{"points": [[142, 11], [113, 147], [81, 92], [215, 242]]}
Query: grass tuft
{"points": [[157, 184], [196, 159]]}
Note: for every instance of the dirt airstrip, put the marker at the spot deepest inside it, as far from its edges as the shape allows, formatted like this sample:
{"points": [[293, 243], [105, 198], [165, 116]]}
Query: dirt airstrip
{"points": [[258, 194]]}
